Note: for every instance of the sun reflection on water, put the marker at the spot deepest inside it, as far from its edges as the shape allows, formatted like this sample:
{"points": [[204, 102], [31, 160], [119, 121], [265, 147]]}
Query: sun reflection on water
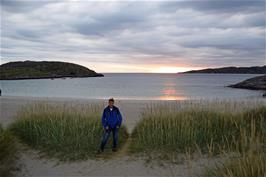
{"points": [[169, 92]]}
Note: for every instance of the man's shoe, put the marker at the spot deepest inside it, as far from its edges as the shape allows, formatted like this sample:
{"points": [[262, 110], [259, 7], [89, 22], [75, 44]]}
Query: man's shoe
{"points": [[114, 150]]}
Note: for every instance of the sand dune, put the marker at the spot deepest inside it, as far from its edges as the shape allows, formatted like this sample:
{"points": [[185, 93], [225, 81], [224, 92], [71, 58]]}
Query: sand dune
{"points": [[119, 165]]}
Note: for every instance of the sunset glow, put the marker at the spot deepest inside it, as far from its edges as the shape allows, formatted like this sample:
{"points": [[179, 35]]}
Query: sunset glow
{"points": [[135, 36], [136, 68], [169, 69]]}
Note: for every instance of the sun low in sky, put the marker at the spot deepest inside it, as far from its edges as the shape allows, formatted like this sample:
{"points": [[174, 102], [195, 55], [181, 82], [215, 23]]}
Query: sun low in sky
{"points": [[169, 69], [135, 36]]}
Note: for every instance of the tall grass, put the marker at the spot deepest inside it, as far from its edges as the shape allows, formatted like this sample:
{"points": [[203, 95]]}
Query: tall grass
{"points": [[208, 127], [8, 153], [64, 131], [250, 165]]}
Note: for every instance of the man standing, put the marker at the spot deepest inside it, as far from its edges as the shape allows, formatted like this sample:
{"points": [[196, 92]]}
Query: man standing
{"points": [[111, 121]]}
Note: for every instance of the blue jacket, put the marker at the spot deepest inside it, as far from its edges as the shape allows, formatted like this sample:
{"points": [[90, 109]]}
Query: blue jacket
{"points": [[111, 118]]}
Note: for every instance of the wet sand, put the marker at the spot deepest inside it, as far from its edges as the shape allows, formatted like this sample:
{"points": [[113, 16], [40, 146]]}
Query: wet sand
{"points": [[119, 165]]}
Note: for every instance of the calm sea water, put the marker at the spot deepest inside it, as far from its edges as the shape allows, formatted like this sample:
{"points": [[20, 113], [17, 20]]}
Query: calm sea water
{"points": [[134, 86]]}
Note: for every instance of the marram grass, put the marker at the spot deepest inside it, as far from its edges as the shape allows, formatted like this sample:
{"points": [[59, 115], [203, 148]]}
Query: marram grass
{"points": [[8, 153], [64, 131], [200, 127], [250, 165]]}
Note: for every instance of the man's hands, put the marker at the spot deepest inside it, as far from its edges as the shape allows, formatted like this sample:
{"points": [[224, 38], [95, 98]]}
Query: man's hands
{"points": [[107, 127]]}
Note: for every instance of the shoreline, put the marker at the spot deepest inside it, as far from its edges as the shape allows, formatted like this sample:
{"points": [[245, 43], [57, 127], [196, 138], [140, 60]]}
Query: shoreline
{"points": [[130, 109], [51, 78], [96, 99], [121, 99]]}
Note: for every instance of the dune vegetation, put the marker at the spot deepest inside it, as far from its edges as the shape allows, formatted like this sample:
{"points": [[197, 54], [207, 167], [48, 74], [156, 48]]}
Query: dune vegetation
{"points": [[67, 132], [250, 165], [207, 128], [200, 127], [213, 128], [8, 153]]}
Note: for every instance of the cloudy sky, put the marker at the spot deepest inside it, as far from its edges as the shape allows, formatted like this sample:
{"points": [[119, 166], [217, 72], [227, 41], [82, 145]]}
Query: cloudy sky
{"points": [[135, 36]]}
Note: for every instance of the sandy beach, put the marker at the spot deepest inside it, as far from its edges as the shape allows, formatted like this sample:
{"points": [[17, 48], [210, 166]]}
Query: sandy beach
{"points": [[130, 109], [119, 165]]}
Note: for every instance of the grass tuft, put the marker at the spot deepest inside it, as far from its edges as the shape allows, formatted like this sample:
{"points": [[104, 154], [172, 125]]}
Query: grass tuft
{"points": [[251, 165], [67, 132], [194, 127], [8, 153]]}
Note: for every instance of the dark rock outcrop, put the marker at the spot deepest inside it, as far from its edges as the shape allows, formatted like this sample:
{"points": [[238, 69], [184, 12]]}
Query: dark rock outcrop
{"points": [[232, 70], [255, 83], [43, 69]]}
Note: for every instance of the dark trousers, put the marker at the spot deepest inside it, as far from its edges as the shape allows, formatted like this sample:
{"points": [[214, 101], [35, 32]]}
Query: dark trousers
{"points": [[106, 136]]}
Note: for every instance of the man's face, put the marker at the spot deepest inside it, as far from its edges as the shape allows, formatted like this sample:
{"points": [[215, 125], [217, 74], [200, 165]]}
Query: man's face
{"points": [[111, 103]]}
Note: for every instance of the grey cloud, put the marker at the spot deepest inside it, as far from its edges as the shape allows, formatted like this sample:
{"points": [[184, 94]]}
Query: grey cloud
{"points": [[218, 6], [258, 19], [123, 18], [227, 42], [190, 32], [23, 6]]}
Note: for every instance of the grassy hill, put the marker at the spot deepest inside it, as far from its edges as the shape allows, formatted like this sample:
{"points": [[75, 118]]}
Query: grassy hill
{"points": [[233, 70], [43, 69]]}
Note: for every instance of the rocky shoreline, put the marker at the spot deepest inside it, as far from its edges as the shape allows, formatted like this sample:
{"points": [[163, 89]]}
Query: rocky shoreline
{"points": [[255, 83], [231, 70], [54, 77]]}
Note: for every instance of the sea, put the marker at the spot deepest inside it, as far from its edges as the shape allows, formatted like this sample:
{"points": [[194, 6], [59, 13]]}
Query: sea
{"points": [[134, 86]]}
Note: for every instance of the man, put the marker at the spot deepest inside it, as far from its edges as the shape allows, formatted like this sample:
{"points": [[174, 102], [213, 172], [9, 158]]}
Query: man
{"points": [[111, 122]]}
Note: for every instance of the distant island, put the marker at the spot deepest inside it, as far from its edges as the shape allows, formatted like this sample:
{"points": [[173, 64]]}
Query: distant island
{"points": [[43, 70], [255, 83], [232, 70]]}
